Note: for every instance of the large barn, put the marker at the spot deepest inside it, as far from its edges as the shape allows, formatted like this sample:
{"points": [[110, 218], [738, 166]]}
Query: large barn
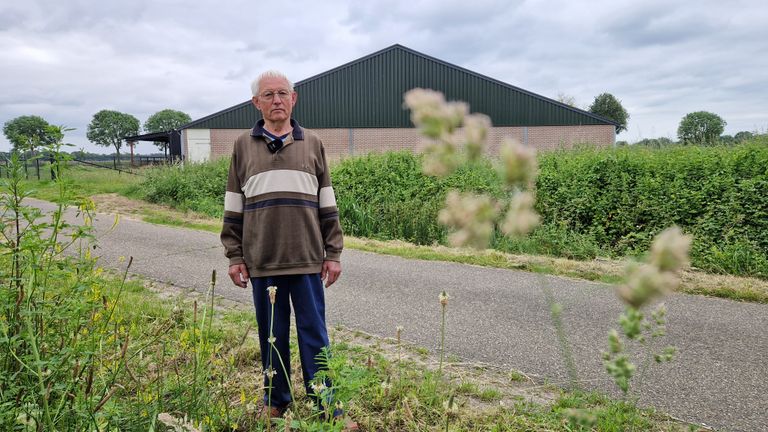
{"points": [[357, 108]]}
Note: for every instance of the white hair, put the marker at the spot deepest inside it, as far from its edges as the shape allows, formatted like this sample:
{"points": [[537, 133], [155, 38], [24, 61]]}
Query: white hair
{"points": [[268, 74]]}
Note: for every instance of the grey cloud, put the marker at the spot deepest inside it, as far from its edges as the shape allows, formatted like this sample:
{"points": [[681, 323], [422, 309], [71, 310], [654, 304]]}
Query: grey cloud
{"points": [[661, 59]]}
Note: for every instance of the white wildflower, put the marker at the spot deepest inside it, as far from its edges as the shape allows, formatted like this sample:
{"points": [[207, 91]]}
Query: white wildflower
{"points": [[476, 127], [443, 297], [669, 251], [518, 163], [521, 217], [471, 216], [272, 293]]}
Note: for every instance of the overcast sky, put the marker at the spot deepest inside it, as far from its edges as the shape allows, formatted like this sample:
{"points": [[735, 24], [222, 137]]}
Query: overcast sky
{"points": [[66, 60]]}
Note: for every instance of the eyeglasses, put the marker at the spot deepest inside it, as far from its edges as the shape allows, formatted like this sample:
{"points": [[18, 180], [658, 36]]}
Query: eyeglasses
{"points": [[270, 95]]}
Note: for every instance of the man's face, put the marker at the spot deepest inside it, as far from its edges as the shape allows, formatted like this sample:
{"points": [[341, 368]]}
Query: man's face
{"points": [[275, 99]]}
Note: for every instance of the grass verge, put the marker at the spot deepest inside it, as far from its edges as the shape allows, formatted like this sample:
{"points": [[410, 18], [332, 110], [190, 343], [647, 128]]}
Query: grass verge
{"points": [[399, 388]]}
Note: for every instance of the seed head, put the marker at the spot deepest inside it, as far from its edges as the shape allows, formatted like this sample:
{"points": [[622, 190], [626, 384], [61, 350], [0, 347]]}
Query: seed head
{"points": [[386, 386], [471, 216], [476, 128], [288, 416], [272, 293], [644, 283], [443, 297], [432, 114], [451, 408], [318, 387], [440, 158], [521, 217], [519, 166], [614, 342], [669, 251]]}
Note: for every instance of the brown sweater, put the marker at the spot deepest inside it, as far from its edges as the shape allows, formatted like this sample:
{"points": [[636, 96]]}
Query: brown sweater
{"points": [[280, 214]]}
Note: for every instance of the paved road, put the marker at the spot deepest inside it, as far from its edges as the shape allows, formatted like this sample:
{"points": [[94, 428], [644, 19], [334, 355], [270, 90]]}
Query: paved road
{"points": [[501, 317]]}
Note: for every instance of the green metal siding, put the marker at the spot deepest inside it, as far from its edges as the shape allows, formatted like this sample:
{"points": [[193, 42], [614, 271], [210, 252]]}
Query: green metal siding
{"points": [[368, 93]]}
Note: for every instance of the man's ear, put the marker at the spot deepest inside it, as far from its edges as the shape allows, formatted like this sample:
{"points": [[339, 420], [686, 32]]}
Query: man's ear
{"points": [[255, 102]]}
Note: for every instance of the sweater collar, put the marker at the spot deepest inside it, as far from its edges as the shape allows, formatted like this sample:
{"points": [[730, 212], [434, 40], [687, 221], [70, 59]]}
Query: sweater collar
{"points": [[298, 132]]}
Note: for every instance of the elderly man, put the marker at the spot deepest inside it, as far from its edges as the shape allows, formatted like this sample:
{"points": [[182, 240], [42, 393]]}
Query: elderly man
{"points": [[281, 228]]}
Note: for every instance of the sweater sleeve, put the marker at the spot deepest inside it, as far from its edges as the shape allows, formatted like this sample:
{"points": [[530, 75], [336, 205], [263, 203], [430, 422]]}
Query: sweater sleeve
{"points": [[232, 226], [330, 227]]}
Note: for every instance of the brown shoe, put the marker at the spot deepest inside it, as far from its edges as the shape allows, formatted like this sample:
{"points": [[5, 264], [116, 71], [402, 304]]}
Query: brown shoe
{"points": [[271, 412]]}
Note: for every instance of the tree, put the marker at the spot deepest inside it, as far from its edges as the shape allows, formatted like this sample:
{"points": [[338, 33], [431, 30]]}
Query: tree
{"points": [[29, 132], [566, 99], [108, 128], [655, 142], [742, 136], [700, 127], [609, 107], [165, 120]]}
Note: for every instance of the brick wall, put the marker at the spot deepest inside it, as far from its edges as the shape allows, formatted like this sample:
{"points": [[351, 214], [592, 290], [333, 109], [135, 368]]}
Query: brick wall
{"points": [[337, 141], [223, 140]]}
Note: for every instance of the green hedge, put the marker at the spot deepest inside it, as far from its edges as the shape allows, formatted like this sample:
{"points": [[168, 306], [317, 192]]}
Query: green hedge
{"points": [[623, 197], [386, 196], [593, 202]]}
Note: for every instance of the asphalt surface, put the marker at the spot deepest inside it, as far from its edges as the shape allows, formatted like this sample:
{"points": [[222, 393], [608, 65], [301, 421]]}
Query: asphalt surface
{"points": [[501, 317]]}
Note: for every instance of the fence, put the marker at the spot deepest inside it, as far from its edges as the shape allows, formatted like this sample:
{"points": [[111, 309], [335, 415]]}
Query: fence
{"points": [[34, 168], [41, 168]]}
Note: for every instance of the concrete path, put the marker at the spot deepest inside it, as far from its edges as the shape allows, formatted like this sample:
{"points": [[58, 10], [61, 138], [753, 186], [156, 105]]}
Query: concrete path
{"points": [[719, 378]]}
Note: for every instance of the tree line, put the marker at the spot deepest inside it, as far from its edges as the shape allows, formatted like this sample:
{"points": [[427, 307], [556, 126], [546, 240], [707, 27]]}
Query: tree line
{"points": [[107, 129], [696, 128]]}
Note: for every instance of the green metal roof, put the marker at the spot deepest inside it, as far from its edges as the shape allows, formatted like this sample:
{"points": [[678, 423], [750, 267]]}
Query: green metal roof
{"points": [[368, 93]]}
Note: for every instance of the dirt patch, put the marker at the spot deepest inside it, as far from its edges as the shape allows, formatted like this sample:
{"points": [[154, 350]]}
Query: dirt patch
{"points": [[112, 203]]}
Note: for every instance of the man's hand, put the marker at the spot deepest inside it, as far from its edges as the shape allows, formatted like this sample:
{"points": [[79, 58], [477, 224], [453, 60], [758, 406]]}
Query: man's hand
{"points": [[239, 275], [331, 271]]}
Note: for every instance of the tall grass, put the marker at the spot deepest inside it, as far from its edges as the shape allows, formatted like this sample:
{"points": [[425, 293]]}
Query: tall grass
{"points": [[74, 356]]}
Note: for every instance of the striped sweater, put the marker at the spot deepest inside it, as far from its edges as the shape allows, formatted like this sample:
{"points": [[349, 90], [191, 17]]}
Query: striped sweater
{"points": [[280, 214]]}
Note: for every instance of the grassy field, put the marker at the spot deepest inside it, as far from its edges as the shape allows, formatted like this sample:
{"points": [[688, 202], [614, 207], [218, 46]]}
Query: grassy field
{"points": [[86, 181]]}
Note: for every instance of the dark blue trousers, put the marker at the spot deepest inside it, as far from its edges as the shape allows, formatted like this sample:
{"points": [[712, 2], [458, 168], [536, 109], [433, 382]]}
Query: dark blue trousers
{"points": [[307, 295]]}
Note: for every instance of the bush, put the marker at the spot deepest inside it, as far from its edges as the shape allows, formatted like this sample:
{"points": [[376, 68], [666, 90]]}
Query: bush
{"points": [[386, 196], [624, 197], [593, 202], [197, 187]]}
